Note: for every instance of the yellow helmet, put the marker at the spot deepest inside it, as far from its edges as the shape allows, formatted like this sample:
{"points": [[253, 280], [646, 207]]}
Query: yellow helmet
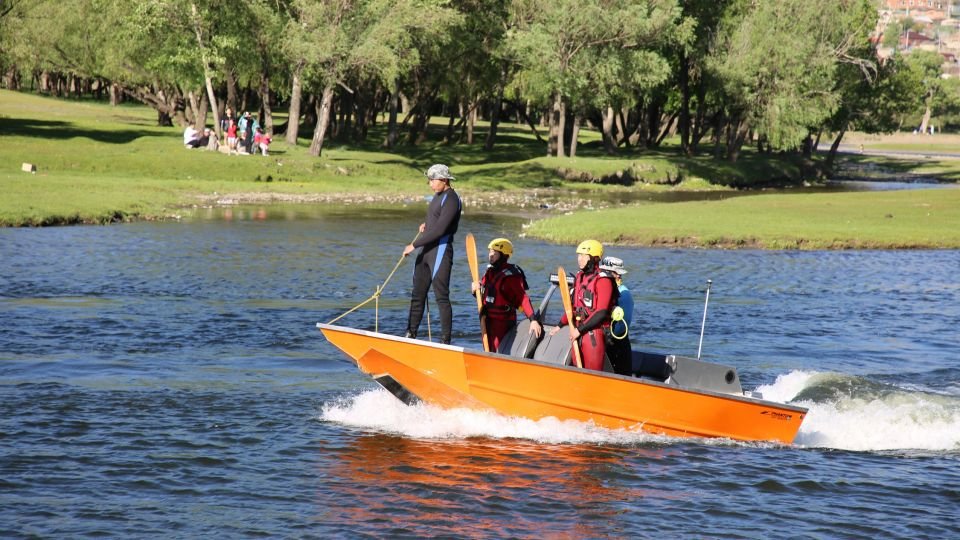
{"points": [[591, 248], [502, 245]]}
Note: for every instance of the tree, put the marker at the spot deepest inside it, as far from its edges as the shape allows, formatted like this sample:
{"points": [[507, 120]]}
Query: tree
{"points": [[693, 79], [778, 64], [369, 38], [924, 66], [569, 49]]}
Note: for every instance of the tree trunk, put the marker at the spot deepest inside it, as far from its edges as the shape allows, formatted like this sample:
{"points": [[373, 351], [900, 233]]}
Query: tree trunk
{"points": [[495, 117], [685, 104], [522, 111], [926, 117], [609, 141], [832, 154], [116, 95], [323, 117], [231, 81], [392, 128], [806, 146], [667, 128], [471, 120], [450, 127], [621, 135], [296, 94], [201, 116], [334, 125], [557, 114], [654, 121], [719, 121], [213, 105], [736, 140], [267, 111], [192, 108], [421, 119], [11, 79], [207, 76], [345, 113], [577, 118]]}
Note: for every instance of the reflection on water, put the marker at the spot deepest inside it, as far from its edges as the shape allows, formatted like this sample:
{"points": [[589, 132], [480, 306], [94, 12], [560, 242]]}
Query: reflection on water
{"points": [[469, 487]]}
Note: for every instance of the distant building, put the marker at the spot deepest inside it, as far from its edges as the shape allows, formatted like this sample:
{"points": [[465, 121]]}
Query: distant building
{"points": [[914, 39], [943, 6]]}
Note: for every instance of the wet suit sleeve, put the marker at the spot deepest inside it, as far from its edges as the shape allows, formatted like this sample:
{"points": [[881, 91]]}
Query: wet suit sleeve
{"points": [[604, 299], [449, 211], [517, 296]]}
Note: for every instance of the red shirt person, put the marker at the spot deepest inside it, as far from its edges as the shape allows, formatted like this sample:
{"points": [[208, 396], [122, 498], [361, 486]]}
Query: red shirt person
{"points": [[593, 299], [504, 291]]}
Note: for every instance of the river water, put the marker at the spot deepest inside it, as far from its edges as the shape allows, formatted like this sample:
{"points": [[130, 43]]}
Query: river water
{"points": [[167, 380]]}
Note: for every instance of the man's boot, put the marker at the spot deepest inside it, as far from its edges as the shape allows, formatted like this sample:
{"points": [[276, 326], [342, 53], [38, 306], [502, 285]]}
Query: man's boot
{"points": [[411, 334]]}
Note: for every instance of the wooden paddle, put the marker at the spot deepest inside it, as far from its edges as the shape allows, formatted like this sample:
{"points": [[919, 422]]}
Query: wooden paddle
{"points": [[568, 309], [475, 275]]}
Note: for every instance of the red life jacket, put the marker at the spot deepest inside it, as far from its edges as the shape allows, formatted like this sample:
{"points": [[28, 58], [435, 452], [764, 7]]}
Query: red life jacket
{"points": [[496, 304], [585, 293]]}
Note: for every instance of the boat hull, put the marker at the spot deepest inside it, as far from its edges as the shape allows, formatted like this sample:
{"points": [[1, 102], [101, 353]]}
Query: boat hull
{"points": [[450, 376]]}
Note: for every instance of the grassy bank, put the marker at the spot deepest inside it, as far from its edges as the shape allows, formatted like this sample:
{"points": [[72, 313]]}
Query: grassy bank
{"points": [[926, 218], [99, 164]]}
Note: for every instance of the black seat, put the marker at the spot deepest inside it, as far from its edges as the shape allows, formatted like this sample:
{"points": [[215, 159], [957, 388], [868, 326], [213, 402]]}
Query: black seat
{"points": [[651, 365], [519, 341], [553, 349]]}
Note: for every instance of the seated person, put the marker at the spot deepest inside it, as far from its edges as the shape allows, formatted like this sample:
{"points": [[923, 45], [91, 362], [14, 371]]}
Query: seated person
{"points": [[190, 136], [213, 142], [203, 140]]}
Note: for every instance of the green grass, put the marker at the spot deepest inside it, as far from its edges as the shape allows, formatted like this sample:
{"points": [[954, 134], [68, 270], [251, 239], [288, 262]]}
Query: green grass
{"points": [[927, 218], [102, 164], [98, 163]]}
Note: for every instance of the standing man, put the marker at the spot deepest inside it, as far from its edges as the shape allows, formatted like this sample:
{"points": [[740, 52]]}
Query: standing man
{"points": [[618, 340], [594, 297], [435, 259], [504, 290]]}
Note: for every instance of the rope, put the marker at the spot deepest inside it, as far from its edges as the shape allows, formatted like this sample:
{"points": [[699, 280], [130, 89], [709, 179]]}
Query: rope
{"points": [[376, 295], [616, 317]]}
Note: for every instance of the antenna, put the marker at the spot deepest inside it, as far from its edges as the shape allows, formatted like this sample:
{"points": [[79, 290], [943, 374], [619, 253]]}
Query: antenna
{"points": [[703, 324]]}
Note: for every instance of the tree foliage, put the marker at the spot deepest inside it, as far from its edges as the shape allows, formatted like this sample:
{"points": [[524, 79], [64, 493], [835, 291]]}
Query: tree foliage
{"points": [[774, 73]]}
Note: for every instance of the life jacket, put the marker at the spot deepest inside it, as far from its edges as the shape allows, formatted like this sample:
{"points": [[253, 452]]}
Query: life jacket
{"points": [[494, 302], [585, 291]]}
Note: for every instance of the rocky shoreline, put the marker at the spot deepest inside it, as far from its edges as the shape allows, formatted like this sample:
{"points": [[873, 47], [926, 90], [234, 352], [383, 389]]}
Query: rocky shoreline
{"points": [[536, 201]]}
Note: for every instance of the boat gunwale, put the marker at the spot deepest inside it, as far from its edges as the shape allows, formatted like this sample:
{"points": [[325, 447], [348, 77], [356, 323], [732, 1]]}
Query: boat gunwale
{"points": [[626, 378]]}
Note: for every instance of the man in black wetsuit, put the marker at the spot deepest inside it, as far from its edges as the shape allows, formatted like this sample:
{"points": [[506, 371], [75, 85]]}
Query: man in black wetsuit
{"points": [[435, 259]]}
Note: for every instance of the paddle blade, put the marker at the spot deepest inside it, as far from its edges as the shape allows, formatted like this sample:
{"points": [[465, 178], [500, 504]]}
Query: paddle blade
{"points": [[475, 275], [568, 309], [472, 257]]}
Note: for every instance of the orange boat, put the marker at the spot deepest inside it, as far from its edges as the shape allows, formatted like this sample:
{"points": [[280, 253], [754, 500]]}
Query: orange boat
{"points": [[668, 394]]}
